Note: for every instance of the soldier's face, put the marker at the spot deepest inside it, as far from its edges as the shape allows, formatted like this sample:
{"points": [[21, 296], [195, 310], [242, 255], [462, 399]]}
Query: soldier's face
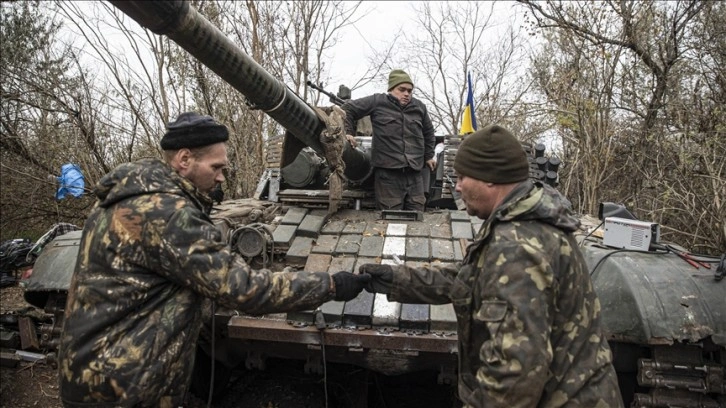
{"points": [[477, 195], [403, 93], [205, 167]]}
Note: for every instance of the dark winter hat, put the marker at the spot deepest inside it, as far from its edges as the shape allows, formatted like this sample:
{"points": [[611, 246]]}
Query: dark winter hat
{"points": [[192, 130], [492, 154], [398, 76]]}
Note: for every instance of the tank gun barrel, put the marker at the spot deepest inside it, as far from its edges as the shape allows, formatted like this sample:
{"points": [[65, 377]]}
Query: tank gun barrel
{"points": [[185, 26]]}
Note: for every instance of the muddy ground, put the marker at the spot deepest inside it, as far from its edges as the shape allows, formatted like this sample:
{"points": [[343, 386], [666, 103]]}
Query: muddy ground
{"points": [[282, 385]]}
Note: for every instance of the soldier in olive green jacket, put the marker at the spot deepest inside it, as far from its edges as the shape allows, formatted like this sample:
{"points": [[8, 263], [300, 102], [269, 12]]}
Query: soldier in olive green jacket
{"points": [[528, 317], [149, 255], [402, 146]]}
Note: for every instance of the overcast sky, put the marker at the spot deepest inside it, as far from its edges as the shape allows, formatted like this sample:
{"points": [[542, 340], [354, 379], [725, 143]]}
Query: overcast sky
{"points": [[378, 24], [374, 31], [381, 21]]}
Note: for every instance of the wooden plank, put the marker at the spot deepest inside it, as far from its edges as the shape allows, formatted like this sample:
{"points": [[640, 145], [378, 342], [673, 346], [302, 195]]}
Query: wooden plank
{"points": [[28, 336]]}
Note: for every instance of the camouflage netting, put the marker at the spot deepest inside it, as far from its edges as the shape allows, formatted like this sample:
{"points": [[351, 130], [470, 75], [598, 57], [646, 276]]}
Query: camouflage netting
{"points": [[333, 140], [246, 211]]}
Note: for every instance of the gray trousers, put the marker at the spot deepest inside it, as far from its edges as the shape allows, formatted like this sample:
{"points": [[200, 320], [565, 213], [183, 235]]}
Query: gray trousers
{"points": [[399, 189]]}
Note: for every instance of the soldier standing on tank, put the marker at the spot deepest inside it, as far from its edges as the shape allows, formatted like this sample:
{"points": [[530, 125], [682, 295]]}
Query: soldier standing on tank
{"points": [[528, 318], [149, 255], [403, 142]]}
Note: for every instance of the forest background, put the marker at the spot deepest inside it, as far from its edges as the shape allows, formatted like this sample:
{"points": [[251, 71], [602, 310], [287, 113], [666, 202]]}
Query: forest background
{"points": [[630, 95]]}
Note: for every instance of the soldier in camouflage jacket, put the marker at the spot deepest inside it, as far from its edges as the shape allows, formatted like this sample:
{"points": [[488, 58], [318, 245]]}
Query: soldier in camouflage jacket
{"points": [[149, 255], [528, 318]]}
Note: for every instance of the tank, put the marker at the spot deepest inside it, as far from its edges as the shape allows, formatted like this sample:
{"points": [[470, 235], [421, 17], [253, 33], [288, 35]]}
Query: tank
{"points": [[665, 319]]}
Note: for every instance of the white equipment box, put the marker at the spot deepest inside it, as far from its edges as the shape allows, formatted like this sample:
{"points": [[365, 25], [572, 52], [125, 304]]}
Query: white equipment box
{"points": [[630, 234]]}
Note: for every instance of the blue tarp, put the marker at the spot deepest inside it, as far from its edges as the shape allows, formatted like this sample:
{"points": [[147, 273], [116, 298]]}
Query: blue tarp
{"points": [[71, 182]]}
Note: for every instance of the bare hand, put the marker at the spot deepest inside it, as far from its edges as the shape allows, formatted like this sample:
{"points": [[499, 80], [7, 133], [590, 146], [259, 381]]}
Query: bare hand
{"points": [[352, 140], [431, 163]]}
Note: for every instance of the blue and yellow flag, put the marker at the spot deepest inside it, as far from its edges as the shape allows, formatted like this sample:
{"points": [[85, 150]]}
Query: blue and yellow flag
{"points": [[468, 120]]}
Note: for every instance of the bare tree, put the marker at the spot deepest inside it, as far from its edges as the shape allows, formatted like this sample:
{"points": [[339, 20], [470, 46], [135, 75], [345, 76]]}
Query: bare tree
{"points": [[444, 43], [649, 51], [580, 86], [42, 121]]}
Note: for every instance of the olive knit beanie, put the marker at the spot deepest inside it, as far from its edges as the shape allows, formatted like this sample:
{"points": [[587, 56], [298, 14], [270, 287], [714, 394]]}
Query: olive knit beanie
{"points": [[192, 130], [398, 76], [492, 154]]}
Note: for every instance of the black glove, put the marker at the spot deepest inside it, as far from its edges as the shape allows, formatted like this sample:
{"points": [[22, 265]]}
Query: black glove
{"points": [[381, 277], [348, 285]]}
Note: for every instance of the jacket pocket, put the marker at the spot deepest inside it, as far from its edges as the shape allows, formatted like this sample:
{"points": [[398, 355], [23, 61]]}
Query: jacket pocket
{"points": [[416, 126], [491, 316], [387, 119]]}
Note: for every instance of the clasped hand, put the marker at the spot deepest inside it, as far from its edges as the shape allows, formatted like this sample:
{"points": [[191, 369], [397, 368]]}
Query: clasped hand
{"points": [[349, 285], [381, 278], [374, 278]]}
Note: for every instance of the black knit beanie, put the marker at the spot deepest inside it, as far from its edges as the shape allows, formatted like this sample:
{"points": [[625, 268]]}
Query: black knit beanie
{"points": [[397, 77], [192, 130], [492, 154]]}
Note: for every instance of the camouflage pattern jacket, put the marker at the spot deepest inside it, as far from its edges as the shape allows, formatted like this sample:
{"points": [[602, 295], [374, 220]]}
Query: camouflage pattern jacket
{"points": [[528, 318], [148, 257]]}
